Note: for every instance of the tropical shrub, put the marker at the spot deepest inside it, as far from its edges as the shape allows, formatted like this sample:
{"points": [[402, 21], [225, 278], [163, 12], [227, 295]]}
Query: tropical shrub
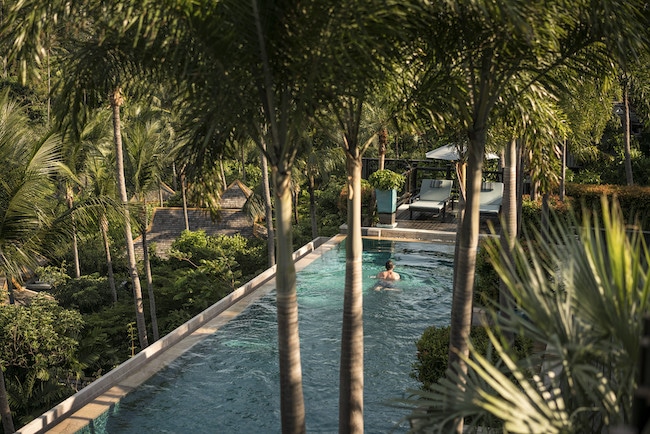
{"points": [[52, 274], [634, 201], [87, 294], [105, 341], [486, 285], [386, 179], [531, 210], [367, 204], [202, 270], [38, 345], [433, 352], [580, 290]]}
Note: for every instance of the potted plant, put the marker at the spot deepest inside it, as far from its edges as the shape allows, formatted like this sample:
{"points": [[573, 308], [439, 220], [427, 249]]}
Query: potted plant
{"points": [[386, 183]]}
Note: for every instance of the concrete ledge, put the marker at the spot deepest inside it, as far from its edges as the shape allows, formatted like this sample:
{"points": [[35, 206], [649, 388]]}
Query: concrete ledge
{"points": [[103, 393], [404, 233]]}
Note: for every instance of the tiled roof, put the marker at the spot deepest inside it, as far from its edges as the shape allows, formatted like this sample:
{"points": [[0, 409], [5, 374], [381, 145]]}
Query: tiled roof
{"points": [[168, 222]]}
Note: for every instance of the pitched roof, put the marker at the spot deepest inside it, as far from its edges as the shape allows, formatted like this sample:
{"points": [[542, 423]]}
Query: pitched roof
{"points": [[235, 196]]}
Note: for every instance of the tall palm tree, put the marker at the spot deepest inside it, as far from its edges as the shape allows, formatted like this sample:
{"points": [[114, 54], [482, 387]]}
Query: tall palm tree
{"points": [[116, 100], [147, 149], [27, 214], [358, 70], [96, 69], [99, 182], [467, 38], [322, 156], [256, 75], [268, 206]]}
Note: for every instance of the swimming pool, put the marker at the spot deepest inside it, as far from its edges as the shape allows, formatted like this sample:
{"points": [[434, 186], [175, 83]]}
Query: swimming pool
{"points": [[229, 382]]}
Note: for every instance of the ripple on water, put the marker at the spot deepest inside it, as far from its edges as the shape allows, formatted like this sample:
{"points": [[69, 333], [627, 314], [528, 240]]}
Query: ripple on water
{"points": [[230, 381]]}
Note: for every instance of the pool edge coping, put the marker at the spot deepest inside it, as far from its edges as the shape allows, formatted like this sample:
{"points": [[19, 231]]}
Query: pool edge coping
{"points": [[107, 390]]}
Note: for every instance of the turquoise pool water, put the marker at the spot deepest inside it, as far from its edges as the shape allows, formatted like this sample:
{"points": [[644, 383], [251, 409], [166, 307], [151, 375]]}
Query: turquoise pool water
{"points": [[229, 383]]}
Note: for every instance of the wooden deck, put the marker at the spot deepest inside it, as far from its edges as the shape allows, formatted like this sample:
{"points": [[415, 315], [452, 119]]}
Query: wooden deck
{"points": [[426, 221], [423, 226]]}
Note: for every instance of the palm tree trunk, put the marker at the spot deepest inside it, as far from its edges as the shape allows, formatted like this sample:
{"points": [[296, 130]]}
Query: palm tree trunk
{"points": [[351, 375], [292, 406], [465, 257], [103, 225], [184, 196], [10, 290], [152, 297], [222, 173], [174, 177], [312, 207], [383, 144], [508, 215], [563, 172], [294, 198], [116, 102], [5, 411], [243, 162], [626, 133], [75, 247], [268, 206]]}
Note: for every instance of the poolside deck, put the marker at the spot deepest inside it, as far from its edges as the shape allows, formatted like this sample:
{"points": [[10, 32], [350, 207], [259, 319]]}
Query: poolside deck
{"points": [[423, 226]]}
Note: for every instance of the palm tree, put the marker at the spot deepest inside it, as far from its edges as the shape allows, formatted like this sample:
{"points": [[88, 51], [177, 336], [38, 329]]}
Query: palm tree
{"points": [[358, 71], [467, 38], [582, 291], [116, 100], [268, 205], [96, 69], [147, 149], [26, 207], [268, 82], [99, 183], [322, 156]]}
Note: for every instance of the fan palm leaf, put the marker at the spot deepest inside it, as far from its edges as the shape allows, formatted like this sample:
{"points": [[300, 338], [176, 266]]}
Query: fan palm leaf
{"points": [[581, 290]]}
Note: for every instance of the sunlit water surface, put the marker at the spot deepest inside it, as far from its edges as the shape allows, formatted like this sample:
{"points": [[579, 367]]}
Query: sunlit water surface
{"points": [[229, 383]]}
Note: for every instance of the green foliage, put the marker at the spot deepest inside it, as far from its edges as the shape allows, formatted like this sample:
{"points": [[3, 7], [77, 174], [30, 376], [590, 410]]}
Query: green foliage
{"points": [[202, 270], [583, 287], [433, 352], [367, 205], [486, 288], [87, 294], [191, 248], [38, 345], [634, 200], [55, 276], [531, 211], [328, 200], [106, 334], [386, 180], [588, 176], [93, 255]]}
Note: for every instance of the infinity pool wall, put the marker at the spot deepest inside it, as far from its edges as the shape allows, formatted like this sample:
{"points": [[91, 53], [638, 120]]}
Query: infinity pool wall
{"points": [[230, 382]]}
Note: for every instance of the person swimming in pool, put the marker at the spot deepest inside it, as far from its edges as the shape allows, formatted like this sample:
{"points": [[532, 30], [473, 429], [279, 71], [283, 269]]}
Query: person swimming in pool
{"points": [[389, 273]]}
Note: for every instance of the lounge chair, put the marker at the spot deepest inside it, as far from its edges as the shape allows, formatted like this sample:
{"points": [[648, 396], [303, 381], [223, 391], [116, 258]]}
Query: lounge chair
{"points": [[490, 198], [433, 197]]}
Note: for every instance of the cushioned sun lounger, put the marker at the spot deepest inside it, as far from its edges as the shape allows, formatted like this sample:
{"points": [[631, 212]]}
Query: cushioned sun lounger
{"points": [[433, 197], [490, 198]]}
